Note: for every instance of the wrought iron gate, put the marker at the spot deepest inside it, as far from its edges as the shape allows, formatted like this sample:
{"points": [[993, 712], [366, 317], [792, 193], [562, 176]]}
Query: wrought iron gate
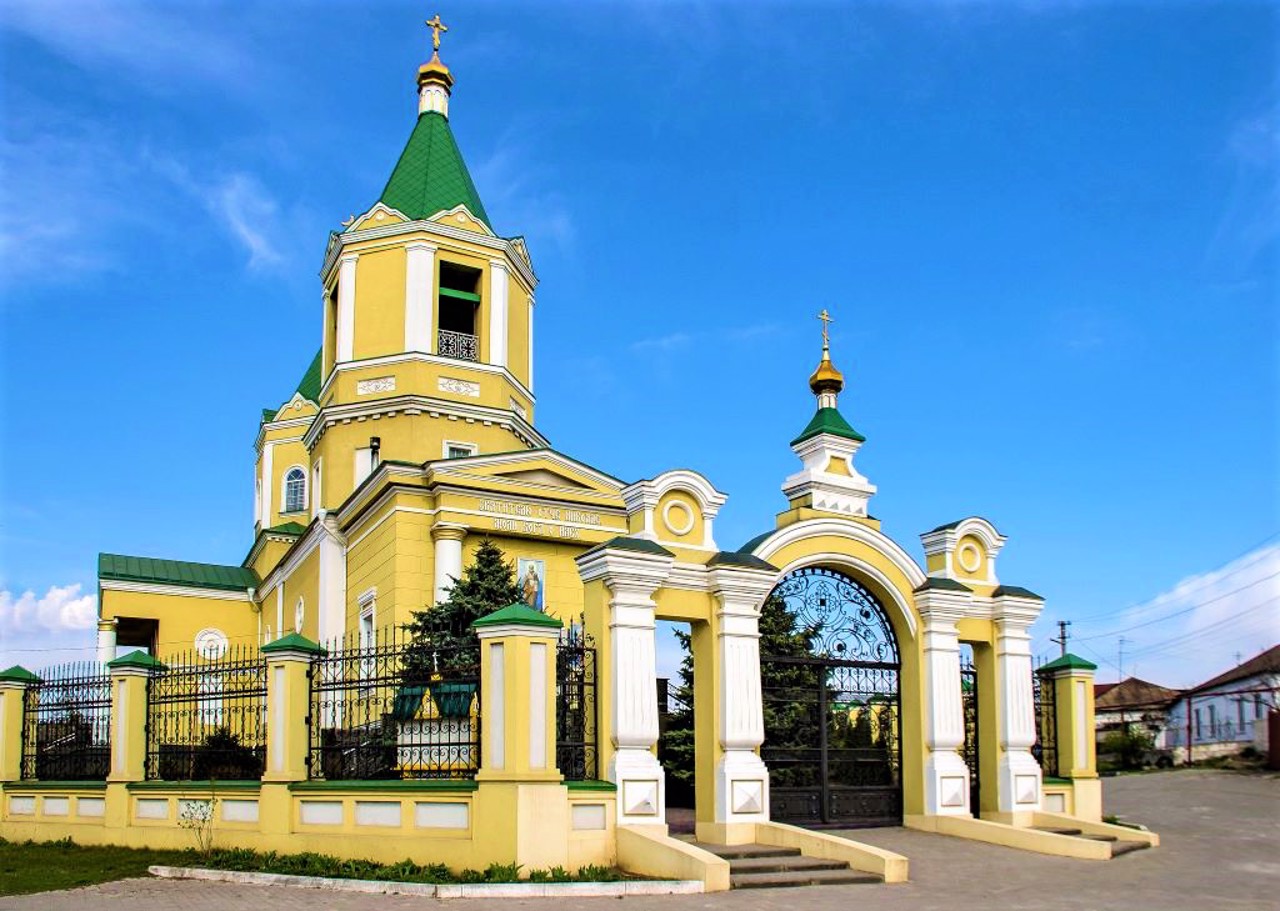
{"points": [[970, 751], [832, 710]]}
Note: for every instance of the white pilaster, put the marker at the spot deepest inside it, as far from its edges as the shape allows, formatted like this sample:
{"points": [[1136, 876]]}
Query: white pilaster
{"points": [[332, 610], [741, 778], [268, 471], [448, 558], [1019, 776], [946, 774], [419, 296], [632, 578], [499, 283], [532, 308], [346, 308], [106, 641]]}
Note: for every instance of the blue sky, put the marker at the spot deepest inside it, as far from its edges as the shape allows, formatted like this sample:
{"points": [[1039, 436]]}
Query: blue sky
{"points": [[1047, 231]]}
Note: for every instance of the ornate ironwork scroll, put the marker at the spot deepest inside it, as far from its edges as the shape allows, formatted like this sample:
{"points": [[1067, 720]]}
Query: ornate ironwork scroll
{"points": [[843, 620], [1045, 749], [576, 706]]}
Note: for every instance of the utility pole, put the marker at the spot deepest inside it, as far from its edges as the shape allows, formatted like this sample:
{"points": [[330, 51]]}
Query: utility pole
{"points": [[1063, 635]]}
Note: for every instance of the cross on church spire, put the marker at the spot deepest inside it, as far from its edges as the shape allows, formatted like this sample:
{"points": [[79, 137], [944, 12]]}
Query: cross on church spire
{"points": [[826, 323], [434, 78], [436, 27]]}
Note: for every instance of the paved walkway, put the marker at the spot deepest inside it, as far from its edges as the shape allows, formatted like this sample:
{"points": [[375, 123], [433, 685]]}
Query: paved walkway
{"points": [[1220, 850]]}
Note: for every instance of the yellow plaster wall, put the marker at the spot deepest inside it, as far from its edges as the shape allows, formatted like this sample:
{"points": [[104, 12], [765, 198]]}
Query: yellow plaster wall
{"points": [[962, 573], [182, 616], [695, 536], [518, 332], [379, 305], [304, 582]]}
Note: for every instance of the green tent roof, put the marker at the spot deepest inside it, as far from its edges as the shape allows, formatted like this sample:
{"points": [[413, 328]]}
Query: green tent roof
{"points": [[430, 176], [309, 385], [175, 572], [828, 420]]}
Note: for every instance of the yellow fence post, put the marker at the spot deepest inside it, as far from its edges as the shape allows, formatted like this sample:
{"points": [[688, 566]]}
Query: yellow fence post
{"points": [[129, 676], [13, 690], [288, 708], [522, 799], [1077, 740]]}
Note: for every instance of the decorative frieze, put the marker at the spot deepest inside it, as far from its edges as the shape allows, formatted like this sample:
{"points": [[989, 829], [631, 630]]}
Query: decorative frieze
{"points": [[377, 384], [459, 387]]}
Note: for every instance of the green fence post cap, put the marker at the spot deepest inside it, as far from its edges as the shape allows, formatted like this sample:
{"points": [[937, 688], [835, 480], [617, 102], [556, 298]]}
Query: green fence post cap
{"points": [[1067, 662], [517, 615], [294, 643], [139, 659], [18, 674]]}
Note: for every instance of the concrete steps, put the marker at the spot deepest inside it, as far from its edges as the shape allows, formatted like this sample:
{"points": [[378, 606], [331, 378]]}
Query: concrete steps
{"points": [[1118, 845], [766, 867]]}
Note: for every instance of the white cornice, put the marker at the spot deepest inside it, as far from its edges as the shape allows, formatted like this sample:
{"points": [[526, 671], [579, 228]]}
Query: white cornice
{"points": [[458, 467], [411, 405], [182, 591], [405, 357], [646, 494]]}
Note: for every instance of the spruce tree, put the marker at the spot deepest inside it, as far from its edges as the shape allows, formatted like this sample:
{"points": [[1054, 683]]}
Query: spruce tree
{"points": [[441, 637]]}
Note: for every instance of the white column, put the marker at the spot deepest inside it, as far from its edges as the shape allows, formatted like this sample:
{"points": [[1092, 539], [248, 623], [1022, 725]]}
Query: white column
{"points": [[531, 309], [741, 778], [632, 579], [419, 296], [448, 562], [498, 293], [332, 610], [346, 307], [946, 774], [1019, 776], [268, 470], [106, 641]]}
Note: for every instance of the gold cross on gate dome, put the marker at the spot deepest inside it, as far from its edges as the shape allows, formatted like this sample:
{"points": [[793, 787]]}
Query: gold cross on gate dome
{"points": [[436, 27], [826, 325]]}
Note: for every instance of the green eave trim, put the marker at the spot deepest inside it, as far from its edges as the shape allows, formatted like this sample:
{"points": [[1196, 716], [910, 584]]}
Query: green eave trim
{"points": [[1015, 591], [269, 415], [828, 420], [734, 558], [309, 385], [55, 785], [138, 659], [1050, 780], [293, 643], [431, 176], [18, 674], [287, 528], [176, 572], [591, 786], [394, 784], [460, 295], [518, 615], [199, 784], [639, 545], [1067, 662], [946, 585]]}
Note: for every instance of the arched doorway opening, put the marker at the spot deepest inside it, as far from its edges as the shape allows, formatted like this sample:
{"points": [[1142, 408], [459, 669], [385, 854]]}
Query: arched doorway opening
{"points": [[829, 670]]}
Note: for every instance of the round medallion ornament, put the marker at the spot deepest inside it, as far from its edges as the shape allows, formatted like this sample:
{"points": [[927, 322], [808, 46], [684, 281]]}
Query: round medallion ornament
{"points": [[211, 643], [970, 557], [299, 614], [677, 517]]}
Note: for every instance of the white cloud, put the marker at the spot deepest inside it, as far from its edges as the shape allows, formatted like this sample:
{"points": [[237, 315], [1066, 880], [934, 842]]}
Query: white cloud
{"points": [[516, 190], [1194, 630], [663, 343], [62, 608]]}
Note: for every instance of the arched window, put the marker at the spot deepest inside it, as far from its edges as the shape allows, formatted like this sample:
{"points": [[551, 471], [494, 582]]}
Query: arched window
{"points": [[295, 490]]}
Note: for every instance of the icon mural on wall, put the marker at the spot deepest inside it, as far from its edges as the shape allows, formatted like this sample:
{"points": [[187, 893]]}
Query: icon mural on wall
{"points": [[532, 576]]}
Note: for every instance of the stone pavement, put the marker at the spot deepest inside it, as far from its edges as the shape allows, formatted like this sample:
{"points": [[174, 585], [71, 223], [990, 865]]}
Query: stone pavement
{"points": [[1220, 835]]}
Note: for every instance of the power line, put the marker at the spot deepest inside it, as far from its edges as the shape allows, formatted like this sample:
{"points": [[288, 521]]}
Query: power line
{"points": [[1185, 610]]}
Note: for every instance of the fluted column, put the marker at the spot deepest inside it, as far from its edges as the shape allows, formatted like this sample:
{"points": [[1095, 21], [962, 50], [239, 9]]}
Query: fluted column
{"points": [[946, 774], [631, 679], [1019, 776]]}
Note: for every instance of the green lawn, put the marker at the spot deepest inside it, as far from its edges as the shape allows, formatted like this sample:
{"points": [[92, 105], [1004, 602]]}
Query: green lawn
{"points": [[41, 867]]}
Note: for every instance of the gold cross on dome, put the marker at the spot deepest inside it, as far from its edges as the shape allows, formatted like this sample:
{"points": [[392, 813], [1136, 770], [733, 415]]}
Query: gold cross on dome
{"points": [[436, 27], [826, 324]]}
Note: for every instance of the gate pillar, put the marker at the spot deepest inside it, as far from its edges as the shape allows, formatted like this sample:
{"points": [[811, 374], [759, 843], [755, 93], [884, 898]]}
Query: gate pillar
{"points": [[1018, 777], [631, 570], [740, 585], [946, 786]]}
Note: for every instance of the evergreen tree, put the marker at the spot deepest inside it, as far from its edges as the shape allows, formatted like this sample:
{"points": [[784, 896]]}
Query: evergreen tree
{"points": [[676, 748], [441, 637]]}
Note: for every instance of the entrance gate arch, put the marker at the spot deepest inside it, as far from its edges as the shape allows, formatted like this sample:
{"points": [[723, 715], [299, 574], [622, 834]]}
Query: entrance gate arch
{"points": [[832, 705]]}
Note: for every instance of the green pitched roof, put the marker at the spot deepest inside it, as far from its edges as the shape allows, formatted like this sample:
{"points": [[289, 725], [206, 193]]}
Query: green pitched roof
{"points": [[732, 558], [294, 643], [935, 583], [828, 420], [287, 528], [175, 572], [430, 175], [1015, 591], [1067, 661], [639, 545], [520, 614], [309, 385]]}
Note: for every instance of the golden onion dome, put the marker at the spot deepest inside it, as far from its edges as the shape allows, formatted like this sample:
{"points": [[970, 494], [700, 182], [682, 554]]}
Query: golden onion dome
{"points": [[434, 71], [826, 378]]}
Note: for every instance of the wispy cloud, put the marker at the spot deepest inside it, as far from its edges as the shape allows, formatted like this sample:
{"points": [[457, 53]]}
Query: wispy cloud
{"points": [[1250, 222], [1195, 629], [517, 190], [163, 45], [664, 344], [677, 341]]}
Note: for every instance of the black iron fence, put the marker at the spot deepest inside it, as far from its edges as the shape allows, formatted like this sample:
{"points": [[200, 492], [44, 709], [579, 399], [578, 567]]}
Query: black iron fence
{"points": [[1045, 749], [384, 706], [66, 724], [576, 706], [207, 717]]}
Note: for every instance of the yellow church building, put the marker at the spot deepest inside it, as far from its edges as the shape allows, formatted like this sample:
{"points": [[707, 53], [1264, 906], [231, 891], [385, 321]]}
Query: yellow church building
{"points": [[412, 436]]}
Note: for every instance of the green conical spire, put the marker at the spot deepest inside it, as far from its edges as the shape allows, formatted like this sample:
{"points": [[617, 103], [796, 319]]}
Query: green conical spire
{"points": [[431, 176]]}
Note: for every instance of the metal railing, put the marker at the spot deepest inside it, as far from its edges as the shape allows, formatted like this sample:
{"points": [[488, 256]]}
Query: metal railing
{"points": [[66, 724], [460, 345], [393, 708], [207, 717], [576, 753], [1045, 749]]}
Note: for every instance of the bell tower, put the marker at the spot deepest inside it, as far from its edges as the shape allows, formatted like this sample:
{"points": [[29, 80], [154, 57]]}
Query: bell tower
{"points": [[428, 315]]}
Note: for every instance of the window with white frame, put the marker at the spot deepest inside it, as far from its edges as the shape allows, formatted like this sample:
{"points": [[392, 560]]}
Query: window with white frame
{"points": [[456, 450], [295, 490], [315, 485], [368, 633]]}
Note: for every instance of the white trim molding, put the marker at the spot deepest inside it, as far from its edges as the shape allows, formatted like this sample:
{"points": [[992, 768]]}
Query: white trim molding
{"points": [[643, 497]]}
